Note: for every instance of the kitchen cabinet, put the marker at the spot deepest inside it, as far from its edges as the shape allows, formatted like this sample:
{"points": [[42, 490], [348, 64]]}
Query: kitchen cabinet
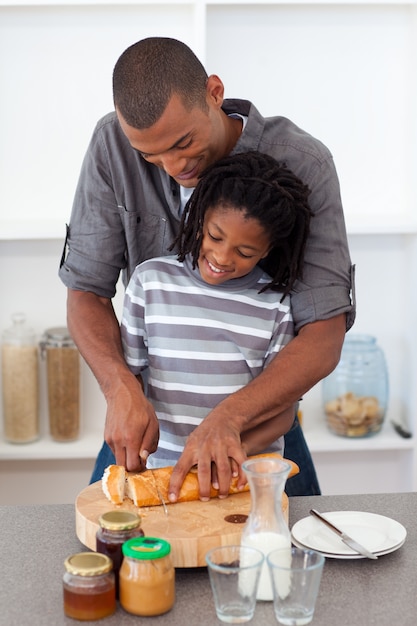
{"points": [[344, 71]]}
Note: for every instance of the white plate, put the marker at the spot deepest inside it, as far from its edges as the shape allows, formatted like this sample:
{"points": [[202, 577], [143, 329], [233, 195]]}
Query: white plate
{"points": [[380, 534]]}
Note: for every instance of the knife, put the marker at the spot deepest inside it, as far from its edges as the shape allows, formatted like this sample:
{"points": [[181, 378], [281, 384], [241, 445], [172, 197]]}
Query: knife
{"points": [[160, 496], [343, 536]]}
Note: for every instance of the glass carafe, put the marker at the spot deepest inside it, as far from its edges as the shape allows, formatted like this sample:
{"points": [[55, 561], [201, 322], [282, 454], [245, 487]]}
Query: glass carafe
{"points": [[266, 528]]}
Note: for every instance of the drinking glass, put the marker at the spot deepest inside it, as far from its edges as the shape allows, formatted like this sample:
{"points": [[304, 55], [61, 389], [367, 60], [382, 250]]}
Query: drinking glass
{"points": [[295, 575], [234, 573]]}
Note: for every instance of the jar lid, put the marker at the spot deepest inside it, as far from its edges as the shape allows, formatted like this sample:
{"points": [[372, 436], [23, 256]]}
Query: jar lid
{"points": [[119, 520], [58, 337], [88, 564], [146, 548], [19, 333]]}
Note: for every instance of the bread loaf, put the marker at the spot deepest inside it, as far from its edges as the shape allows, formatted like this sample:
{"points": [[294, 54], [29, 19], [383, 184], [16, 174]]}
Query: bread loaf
{"points": [[150, 488], [113, 483]]}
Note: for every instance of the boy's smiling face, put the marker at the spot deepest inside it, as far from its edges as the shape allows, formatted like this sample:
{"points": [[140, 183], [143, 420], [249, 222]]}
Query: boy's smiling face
{"points": [[232, 245]]}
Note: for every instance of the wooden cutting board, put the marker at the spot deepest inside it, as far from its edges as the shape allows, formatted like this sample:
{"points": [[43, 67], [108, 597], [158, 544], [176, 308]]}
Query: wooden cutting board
{"points": [[192, 528]]}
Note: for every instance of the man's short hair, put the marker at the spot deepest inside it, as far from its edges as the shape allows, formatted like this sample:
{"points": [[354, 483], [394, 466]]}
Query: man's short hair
{"points": [[149, 73]]}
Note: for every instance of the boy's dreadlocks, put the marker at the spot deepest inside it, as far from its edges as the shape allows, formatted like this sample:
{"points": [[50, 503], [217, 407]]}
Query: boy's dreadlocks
{"points": [[264, 190]]}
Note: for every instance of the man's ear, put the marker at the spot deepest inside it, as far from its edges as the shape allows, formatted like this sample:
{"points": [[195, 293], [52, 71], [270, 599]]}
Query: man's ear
{"points": [[215, 90]]}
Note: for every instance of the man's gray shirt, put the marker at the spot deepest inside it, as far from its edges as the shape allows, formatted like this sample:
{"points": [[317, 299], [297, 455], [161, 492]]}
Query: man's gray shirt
{"points": [[127, 210]]}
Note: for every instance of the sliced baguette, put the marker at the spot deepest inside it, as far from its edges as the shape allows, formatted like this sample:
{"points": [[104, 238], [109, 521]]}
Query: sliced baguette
{"points": [[150, 488], [113, 483]]}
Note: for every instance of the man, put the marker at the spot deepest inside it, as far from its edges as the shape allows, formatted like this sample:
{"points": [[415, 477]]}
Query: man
{"points": [[144, 160]]}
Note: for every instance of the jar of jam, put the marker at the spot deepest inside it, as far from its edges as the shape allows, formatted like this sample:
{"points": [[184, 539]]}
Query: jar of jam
{"points": [[116, 527], [147, 577], [89, 586]]}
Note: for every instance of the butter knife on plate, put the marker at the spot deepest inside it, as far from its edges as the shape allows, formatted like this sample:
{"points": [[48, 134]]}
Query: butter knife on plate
{"points": [[354, 545]]}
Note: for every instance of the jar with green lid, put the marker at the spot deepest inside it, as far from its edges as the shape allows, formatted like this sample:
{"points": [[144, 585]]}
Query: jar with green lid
{"points": [[116, 527], [89, 586], [147, 577], [20, 382], [63, 375]]}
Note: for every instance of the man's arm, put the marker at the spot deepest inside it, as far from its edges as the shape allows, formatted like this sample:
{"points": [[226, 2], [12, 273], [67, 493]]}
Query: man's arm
{"points": [[304, 361], [257, 439], [131, 424]]}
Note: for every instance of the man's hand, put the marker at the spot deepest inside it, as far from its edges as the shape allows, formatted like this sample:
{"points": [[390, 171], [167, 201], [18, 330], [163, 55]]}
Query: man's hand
{"points": [[132, 429], [216, 449]]}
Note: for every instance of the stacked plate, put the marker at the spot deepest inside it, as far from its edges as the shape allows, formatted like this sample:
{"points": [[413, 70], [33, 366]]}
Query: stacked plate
{"points": [[380, 534]]}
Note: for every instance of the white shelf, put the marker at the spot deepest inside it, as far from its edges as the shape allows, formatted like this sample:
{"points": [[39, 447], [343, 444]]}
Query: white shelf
{"points": [[40, 230], [383, 226], [318, 437], [321, 440], [87, 447], [36, 3], [15, 230], [199, 3]]}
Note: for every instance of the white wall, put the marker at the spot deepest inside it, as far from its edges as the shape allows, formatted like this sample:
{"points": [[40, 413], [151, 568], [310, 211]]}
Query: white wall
{"points": [[345, 72]]}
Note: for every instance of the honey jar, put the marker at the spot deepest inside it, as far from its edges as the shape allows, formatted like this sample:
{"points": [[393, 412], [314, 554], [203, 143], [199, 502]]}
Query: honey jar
{"points": [[116, 527], [89, 586], [147, 577]]}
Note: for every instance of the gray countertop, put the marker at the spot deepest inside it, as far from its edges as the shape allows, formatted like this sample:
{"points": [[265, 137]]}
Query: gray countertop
{"points": [[35, 540]]}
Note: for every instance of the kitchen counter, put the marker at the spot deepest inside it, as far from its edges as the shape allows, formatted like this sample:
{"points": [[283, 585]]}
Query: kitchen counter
{"points": [[35, 540]]}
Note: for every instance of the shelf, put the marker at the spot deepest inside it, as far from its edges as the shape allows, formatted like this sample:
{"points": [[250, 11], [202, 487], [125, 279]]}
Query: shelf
{"points": [[15, 230], [207, 3], [37, 230], [320, 440], [36, 3], [87, 447], [389, 226]]}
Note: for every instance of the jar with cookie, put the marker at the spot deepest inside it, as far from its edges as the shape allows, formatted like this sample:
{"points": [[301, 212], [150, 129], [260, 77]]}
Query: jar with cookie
{"points": [[355, 394]]}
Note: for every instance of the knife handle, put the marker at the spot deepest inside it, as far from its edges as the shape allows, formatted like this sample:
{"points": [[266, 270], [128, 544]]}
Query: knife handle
{"points": [[326, 521]]}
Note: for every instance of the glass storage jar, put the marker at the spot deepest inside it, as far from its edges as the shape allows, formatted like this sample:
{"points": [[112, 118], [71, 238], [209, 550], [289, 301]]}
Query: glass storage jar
{"points": [[63, 375], [355, 394], [20, 382], [89, 587]]}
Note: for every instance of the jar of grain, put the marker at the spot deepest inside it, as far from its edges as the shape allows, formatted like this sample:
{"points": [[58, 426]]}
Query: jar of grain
{"points": [[63, 376], [20, 382]]}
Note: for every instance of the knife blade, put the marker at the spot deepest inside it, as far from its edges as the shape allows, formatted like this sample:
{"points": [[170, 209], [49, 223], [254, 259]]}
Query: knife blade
{"points": [[343, 536], [160, 496]]}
